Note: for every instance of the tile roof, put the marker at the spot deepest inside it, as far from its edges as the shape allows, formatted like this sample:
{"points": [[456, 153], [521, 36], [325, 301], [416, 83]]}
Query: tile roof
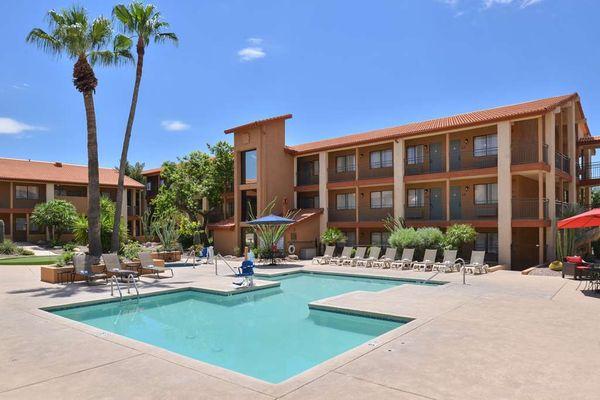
{"points": [[304, 214], [152, 171], [589, 140], [225, 224], [474, 118], [259, 122], [56, 172]]}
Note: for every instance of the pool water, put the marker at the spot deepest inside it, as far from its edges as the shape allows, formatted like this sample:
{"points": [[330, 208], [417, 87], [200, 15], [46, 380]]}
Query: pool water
{"points": [[269, 334]]}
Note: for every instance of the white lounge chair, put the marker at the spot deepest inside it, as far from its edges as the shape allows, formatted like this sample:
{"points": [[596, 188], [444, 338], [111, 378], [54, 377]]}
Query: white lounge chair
{"points": [[358, 255], [477, 263], [373, 256], [427, 262], [406, 260], [346, 253], [82, 266], [450, 262], [147, 262], [385, 261], [326, 256], [113, 265]]}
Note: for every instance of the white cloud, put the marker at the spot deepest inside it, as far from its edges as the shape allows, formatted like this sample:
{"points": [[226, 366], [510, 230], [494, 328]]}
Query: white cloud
{"points": [[491, 3], [20, 86], [9, 126], [527, 3], [175, 125], [254, 51]]}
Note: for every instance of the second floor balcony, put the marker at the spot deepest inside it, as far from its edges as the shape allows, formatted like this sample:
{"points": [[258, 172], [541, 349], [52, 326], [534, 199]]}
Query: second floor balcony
{"points": [[307, 177], [426, 212], [529, 208], [528, 153], [342, 175], [562, 162], [473, 159], [342, 215]]}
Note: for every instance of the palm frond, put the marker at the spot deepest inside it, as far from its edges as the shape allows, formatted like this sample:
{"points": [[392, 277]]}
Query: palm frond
{"points": [[163, 37], [100, 32], [44, 41], [107, 57]]}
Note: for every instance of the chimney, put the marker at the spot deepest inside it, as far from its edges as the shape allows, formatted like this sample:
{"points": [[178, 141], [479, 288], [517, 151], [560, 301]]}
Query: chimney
{"points": [[58, 164]]}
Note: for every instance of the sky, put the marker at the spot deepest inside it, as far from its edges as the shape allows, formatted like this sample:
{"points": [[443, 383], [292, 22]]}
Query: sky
{"points": [[339, 67]]}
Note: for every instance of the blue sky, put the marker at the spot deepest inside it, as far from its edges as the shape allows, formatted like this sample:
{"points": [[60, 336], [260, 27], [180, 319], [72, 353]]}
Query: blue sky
{"points": [[339, 66]]}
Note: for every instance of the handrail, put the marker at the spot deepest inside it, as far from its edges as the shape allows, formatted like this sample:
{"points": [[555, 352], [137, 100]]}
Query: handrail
{"points": [[226, 263], [131, 279], [113, 279]]}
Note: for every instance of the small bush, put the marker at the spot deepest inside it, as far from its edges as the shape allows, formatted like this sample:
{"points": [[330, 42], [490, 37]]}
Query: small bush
{"points": [[131, 250], [65, 258], [556, 266], [69, 247], [8, 247], [332, 236], [430, 238], [24, 252], [458, 235], [405, 238]]}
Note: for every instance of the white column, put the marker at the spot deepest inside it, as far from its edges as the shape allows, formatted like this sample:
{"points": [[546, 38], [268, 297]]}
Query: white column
{"points": [[399, 191], [504, 194], [323, 193], [49, 192], [549, 120], [572, 152], [124, 204]]}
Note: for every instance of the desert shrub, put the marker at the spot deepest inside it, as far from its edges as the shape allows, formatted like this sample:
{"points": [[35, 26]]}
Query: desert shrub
{"points": [[405, 238], [107, 217], [65, 258], [58, 216], [8, 247], [131, 250], [69, 247], [458, 235], [430, 238], [332, 236]]}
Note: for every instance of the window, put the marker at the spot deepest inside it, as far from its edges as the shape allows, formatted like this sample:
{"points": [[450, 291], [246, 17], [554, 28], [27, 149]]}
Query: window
{"points": [[27, 192], [308, 202], [486, 193], [485, 146], [315, 168], [20, 224], [381, 159], [149, 186], [346, 201], [383, 199], [345, 163], [487, 241], [416, 197], [379, 238], [415, 154], [73, 191], [249, 166], [350, 238]]}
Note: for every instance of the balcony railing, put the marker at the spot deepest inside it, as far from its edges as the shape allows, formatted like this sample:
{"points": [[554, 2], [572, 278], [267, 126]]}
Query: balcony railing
{"points": [[373, 214], [565, 209], [529, 208], [464, 160], [131, 211], [307, 177], [478, 211], [588, 171], [333, 175], [336, 215], [423, 213], [562, 162], [376, 170], [525, 153]]}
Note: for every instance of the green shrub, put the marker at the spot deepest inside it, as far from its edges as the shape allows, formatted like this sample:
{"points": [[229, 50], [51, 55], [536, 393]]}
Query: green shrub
{"points": [[332, 236], [69, 247], [458, 235], [107, 216], [556, 266], [8, 247], [24, 252], [65, 258], [58, 216], [430, 238], [405, 238], [131, 250]]}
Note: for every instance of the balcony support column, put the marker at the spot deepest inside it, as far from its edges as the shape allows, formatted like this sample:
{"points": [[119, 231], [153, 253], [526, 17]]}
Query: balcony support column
{"points": [[399, 192], [572, 152], [323, 194], [504, 194], [549, 128], [296, 180], [540, 139]]}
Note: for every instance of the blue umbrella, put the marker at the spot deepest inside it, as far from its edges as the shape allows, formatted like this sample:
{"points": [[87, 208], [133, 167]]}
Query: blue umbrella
{"points": [[271, 220]]}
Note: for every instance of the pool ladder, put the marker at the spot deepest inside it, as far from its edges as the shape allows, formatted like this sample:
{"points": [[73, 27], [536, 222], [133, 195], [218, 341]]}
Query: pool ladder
{"points": [[115, 282]]}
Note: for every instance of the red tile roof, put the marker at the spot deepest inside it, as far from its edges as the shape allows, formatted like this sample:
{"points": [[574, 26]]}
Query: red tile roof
{"points": [[42, 171], [589, 140], [305, 214], [474, 118], [226, 224], [153, 171], [259, 122]]}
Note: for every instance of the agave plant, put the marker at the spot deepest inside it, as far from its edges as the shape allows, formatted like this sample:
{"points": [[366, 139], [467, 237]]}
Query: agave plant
{"points": [[269, 235], [167, 232]]}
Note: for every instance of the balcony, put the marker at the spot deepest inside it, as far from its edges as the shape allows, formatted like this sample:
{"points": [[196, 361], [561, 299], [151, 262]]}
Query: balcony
{"points": [[464, 160], [333, 175], [377, 170], [306, 177], [80, 202], [346, 215], [527, 153], [476, 212], [588, 171], [529, 208], [562, 162], [374, 214], [131, 211], [425, 212]]}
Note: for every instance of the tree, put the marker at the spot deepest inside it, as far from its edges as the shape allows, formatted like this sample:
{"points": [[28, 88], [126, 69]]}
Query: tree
{"points": [[135, 171], [144, 22], [58, 216], [595, 198], [221, 172], [332, 236], [107, 214], [74, 35]]}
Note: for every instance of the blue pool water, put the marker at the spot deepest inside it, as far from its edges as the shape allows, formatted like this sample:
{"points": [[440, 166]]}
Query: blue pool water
{"points": [[269, 334]]}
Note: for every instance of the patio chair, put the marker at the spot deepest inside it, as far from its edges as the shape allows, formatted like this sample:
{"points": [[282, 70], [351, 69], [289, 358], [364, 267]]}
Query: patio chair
{"points": [[427, 262], [326, 256], [83, 267], [575, 266], [405, 261], [476, 264], [450, 262], [147, 262], [346, 253], [385, 261], [373, 256], [113, 266], [360, 254]]}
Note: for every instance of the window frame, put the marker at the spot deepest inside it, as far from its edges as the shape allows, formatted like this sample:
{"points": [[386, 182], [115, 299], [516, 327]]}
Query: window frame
{"points": [[383, 238], [487, 150], [488, 193], [346, 167], [346, 204], [415, 159], [381, 204], [382, 163], [244, 169], [418, 204], [27, 192]]}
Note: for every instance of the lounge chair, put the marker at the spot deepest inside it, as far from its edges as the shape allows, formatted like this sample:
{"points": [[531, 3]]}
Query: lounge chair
{"points": [[326, 256], [450, 262], [83, 267], [113, 266], [385, 261], [368, 261], [346, 253], [147, 262], [406, 260], [427, 262], [477, 263], [359, 255]]}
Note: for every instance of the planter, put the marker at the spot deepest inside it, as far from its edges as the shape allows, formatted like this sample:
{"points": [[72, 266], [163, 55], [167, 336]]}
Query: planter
{"points": [[56, 274], [168, 256]]}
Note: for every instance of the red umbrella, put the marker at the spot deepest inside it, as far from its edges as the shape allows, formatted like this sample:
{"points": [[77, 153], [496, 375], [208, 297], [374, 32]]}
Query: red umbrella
{"points": [[585, 220]]}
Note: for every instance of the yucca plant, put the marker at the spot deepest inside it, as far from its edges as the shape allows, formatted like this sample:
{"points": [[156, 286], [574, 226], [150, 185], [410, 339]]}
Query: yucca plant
{"points": [[167, 232], [269, 235], [332, 236]]}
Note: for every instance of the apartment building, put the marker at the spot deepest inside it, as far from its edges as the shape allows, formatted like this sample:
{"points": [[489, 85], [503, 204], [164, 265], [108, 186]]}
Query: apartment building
{"points": [[507, 171], [26, 183]]}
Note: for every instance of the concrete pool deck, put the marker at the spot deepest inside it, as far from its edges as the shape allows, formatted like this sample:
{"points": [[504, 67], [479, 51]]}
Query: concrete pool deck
{"points": [[501, 336]]}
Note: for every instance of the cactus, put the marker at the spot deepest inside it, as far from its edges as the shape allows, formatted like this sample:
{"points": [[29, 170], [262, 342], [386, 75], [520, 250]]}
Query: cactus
{"points": [[1, 231], [565, 243]]}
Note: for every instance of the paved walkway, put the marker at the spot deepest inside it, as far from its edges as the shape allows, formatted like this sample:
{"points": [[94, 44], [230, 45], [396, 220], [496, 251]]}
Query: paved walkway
{"points": [[501, 336]]}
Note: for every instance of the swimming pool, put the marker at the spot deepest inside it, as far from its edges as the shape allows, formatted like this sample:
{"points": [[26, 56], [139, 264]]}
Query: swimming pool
{"points": [[269, 334]]}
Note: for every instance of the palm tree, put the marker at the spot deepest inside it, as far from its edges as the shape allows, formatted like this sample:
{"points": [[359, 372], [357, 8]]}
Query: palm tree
{"points": [[74, 35], [144, 22]]}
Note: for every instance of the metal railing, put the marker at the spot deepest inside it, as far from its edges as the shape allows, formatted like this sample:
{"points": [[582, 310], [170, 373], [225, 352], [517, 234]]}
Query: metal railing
{"points": [[565, 209], [423, 213], [478, 211], [562, 162], [374, 214], [349, 174], [347, 215], [464, 160], [525, 153], [130, 280], [384, 171], [529, 208], [306, 177], [589, 170]]}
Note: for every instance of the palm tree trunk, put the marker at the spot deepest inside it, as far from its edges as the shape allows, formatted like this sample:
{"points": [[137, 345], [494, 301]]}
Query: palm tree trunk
{"points": [[115, 245], [95, 245]]}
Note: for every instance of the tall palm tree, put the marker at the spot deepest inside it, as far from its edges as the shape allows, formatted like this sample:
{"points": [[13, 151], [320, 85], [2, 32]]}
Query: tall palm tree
{"points": [[141, 21], [74, 35]]}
